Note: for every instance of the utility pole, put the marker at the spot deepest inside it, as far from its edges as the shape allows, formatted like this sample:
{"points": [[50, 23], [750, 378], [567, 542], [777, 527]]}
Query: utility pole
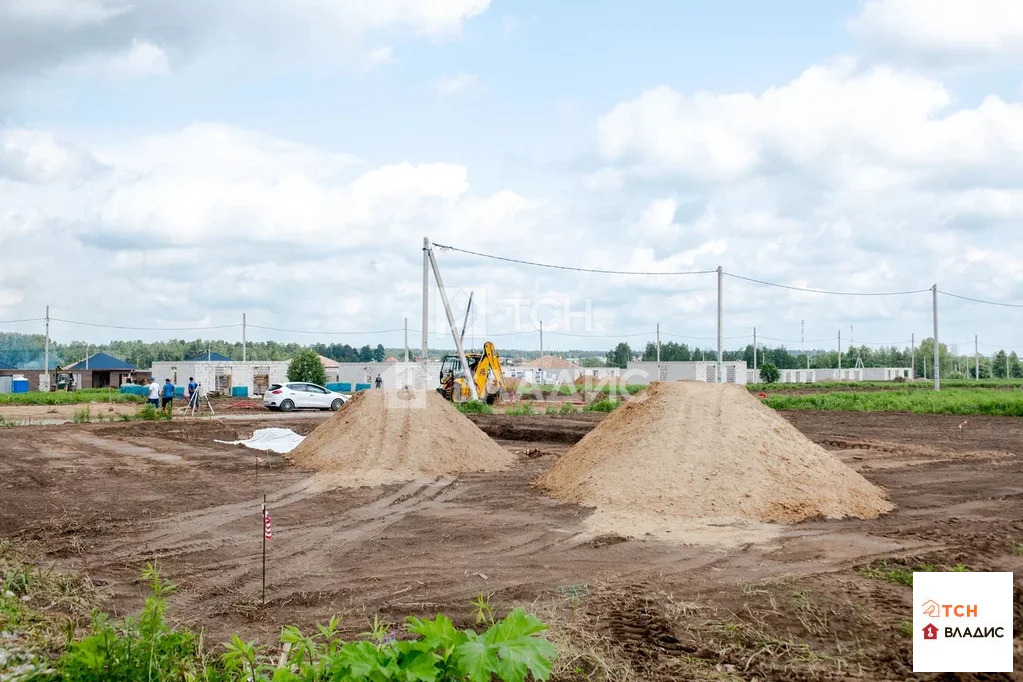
{"points": [[937, 359], [720, 351], [976, 360], [541, 352], [406, 339], [86, 357], [1007, 366], [426, 302], [245, 355], [802, 341], [46, 356], [754, 348], [839, 377], [451, 323], [912, 356], [658, 343]]}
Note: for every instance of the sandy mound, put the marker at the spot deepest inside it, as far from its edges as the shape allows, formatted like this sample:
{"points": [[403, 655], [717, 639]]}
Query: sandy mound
{"points": [[386, 436], [692, 450]]}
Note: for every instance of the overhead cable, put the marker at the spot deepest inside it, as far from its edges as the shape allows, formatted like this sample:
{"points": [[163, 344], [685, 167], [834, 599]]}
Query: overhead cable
{"points": [[980, 300], [826, 291], [568, 267]]}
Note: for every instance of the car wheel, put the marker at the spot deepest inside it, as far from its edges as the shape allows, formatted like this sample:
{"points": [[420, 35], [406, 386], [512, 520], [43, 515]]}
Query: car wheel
{"points": [[287, 406], [336, 405]]}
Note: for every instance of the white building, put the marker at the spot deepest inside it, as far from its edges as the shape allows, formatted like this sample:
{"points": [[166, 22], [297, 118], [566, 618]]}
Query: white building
{"points": [[224, 375], [732, 372], [810, 376]]}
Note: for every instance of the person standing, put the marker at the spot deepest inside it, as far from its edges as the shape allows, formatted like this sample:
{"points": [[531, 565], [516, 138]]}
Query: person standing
{"points": [[154, 393], [193, 392], [379, 382], [168, 395]]}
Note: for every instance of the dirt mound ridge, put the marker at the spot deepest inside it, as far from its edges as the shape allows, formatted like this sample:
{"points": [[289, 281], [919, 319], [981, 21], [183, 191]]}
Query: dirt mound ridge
{"points": [[385, 436], [693, 450]]}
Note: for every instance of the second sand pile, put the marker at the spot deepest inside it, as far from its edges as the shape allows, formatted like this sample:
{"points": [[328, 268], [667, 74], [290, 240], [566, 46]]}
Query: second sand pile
{"points": [[700, 451], [387, 436]]}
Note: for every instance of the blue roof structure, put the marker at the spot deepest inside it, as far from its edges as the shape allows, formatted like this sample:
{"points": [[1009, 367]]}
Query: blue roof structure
{"points": [[4, 365], [210, 357], [101, 362]]}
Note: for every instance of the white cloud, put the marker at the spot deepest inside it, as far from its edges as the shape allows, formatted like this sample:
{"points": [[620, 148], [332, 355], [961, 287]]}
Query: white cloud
{"points": [[37, 156], [381, 55], [143, 58], [942, 28], [839, 120], [603, 180], [65, 12], [454, 83]]}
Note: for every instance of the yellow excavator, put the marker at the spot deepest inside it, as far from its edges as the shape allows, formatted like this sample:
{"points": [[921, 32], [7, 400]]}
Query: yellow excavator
{"points": [[484, 371]]}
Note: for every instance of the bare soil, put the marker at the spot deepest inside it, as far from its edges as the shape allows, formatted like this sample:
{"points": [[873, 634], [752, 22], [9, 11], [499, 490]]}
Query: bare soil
{"points": [[104, 499]]}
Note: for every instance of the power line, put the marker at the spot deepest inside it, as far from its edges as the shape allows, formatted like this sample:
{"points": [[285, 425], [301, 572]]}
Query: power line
{"points": [[28, 319], [980, 300], [325, 333], [826, 291], [706, 338], [444, 247], [144, 329]]}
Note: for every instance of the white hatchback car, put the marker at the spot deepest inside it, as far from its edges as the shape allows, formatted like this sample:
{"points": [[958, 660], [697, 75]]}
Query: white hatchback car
{"points": [[299, 395]]}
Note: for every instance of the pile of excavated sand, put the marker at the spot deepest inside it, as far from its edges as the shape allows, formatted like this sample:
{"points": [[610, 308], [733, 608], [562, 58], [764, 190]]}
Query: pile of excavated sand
{"points": [[696, 451], [387, 436]]}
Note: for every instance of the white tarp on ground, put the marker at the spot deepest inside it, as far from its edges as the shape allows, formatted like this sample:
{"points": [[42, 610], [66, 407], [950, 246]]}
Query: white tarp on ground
{"points": [[277, 440]]}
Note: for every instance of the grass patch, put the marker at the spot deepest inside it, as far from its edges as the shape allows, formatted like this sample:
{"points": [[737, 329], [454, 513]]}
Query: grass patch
{"points": [[946, 401], [474, 407], [82, 416], [905, 628], [86, 395], [1017, 547], [605, 405], [147, 413], [901, 573], [548, 390], [917, 385], [523, 409]]}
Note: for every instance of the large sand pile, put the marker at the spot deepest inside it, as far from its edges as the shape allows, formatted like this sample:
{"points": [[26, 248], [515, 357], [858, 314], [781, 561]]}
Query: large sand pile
{"points": [[385, 436], [707, 452]]}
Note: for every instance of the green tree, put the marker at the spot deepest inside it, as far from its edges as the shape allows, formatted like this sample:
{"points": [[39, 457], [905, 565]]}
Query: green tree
{"points": [[619, 356], [307, 367], [1000, 365], [592, 362], [769, 373], [379, 353]]}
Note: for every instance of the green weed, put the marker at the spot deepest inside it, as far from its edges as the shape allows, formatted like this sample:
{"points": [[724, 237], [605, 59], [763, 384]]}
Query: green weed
{"points": [[524, 408], [86, 395], [474, 407], [1017, 547], [605, 405], [82, 416], [902, 573], [948, 401], [905, 628]]}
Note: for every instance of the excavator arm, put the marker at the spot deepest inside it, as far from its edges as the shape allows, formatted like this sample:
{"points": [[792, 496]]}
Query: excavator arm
{"points": [[489, 363]]}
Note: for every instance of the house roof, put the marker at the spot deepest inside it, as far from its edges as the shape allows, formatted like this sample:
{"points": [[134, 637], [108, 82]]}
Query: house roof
{"points": [[391, 359], [104, 363], [210, 357], [328, 363], [551, 362]]}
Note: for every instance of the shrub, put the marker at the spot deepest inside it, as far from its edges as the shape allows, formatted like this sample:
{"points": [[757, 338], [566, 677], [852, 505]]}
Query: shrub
{"points": [[149, 413], [474, 407], [82, 416], [307, 367], [605, 405], [769, 373], [567, 408]]}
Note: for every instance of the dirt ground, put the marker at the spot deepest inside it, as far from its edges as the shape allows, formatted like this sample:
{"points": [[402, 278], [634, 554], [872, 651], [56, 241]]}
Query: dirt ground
{"points": [[102, 499]]}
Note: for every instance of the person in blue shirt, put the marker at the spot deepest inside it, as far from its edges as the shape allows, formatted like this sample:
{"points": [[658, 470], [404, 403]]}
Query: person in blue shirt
{"points": [[168, 394], [193, 392]]}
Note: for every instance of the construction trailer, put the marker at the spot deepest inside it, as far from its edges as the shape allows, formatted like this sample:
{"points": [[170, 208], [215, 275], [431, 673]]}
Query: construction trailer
{"points": [[732, 372]]}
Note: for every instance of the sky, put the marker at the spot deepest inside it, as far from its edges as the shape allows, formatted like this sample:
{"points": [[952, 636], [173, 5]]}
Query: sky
{"points": [[167, 167]]}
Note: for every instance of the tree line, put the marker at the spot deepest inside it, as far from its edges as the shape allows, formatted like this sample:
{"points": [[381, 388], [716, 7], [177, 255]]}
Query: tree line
{"points": [[953, 366]]}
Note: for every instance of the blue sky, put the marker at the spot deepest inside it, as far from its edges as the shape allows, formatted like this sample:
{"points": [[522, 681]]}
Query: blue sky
{"points": [[292, 157]]}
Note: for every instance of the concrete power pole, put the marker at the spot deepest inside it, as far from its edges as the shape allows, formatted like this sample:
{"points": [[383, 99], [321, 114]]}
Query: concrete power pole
{"points": [[976, 360], [451, 323], [658, 343], [754, 349], [245, 355], [937, 359], [541, 352], [426, 301], [839, 377], [46, 356], [802, 341], [721, 356], [912, 356], [406, 339]]}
